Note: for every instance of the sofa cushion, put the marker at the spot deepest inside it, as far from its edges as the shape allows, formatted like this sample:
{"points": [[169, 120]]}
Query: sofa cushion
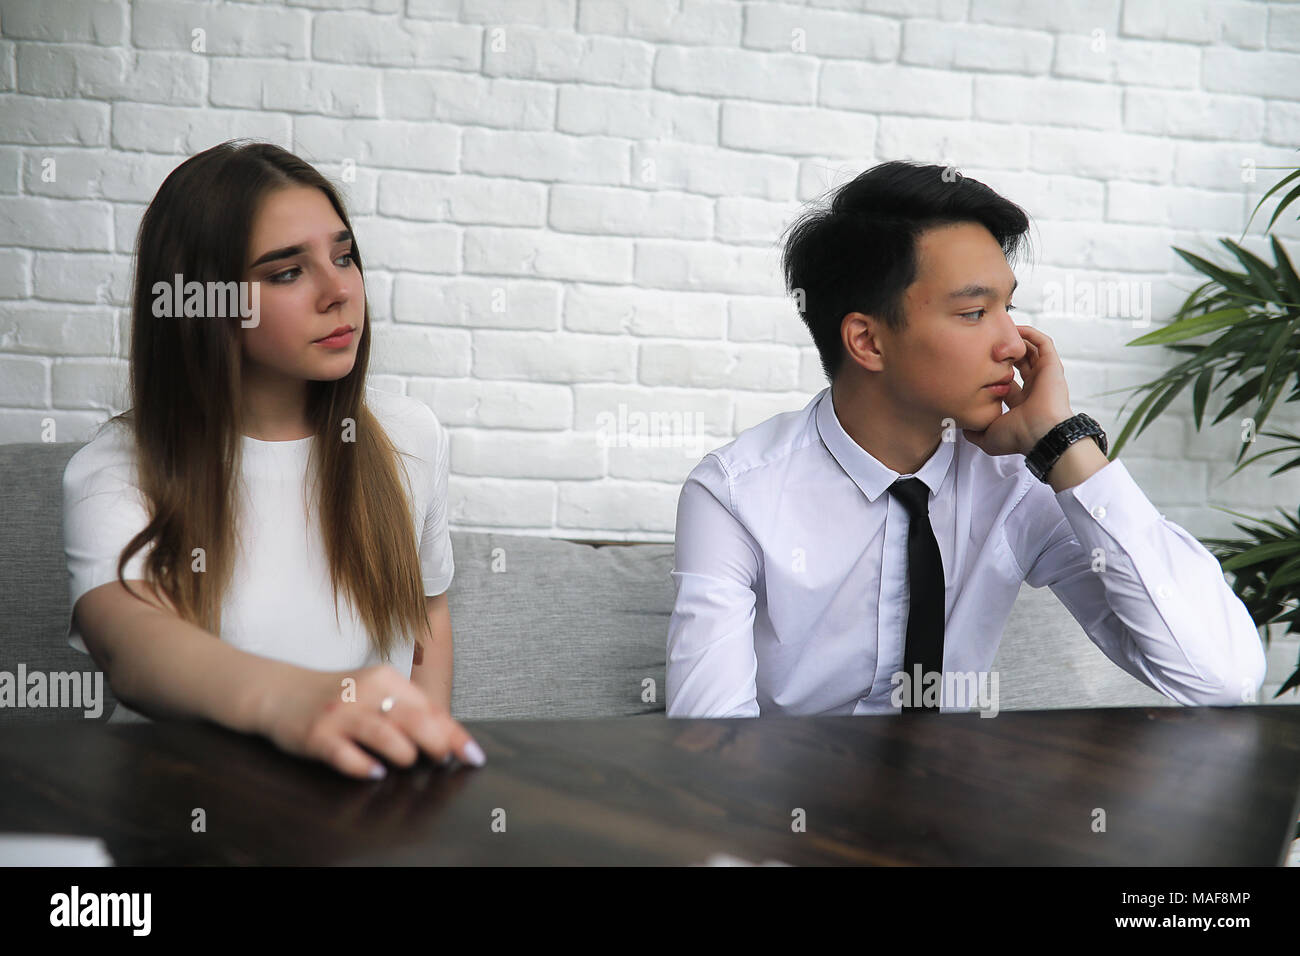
{"points": [[551, 628], [34, 610], [1047, 661]]}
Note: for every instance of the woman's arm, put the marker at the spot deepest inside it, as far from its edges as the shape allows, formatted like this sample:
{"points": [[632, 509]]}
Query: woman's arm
{"points": [[431, 666], [165, 667]]}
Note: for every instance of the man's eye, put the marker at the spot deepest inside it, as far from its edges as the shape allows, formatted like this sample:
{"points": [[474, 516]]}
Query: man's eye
{"points": [[979, 313]]}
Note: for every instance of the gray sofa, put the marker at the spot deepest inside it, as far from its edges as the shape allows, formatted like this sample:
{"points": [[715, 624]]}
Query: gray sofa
{"points": [[543, 628]]}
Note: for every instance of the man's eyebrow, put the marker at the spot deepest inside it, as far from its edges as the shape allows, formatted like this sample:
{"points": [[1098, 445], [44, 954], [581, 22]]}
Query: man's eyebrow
{"points": [[977, 291], [288, 252]]}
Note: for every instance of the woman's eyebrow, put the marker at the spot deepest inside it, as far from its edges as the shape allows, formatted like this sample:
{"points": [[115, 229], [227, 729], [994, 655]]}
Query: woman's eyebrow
{"points": [[978, 291], [288, 252]]}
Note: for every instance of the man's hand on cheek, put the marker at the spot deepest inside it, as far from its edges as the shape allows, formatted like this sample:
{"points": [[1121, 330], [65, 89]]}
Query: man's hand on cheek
{"points": [[1035, 408]]}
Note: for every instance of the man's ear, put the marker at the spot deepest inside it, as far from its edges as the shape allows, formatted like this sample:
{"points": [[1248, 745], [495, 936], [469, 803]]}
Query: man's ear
{"points": [[860, 335]]}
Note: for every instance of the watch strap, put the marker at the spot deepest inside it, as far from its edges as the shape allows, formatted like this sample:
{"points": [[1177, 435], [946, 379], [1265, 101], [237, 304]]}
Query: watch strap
{"points": [[1052, 446]]}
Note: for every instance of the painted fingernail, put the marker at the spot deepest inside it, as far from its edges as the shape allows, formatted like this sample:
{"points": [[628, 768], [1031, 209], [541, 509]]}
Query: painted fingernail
{"points": [[378, 772], [475, 754]]}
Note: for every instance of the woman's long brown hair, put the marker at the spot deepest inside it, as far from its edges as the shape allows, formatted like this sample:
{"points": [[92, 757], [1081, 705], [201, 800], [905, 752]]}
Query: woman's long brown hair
{"points": [[186, 413]]}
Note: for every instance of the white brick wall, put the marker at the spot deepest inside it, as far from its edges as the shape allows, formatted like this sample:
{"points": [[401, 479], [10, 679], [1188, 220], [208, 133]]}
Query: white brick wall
{"points": [[570, 208]]}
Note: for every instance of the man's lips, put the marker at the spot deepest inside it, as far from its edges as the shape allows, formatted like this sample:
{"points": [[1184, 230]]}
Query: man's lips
{"points": [[1001, 388]]}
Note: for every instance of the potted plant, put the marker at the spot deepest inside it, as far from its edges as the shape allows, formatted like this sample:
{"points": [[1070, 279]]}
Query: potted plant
{"points": [[1252, 307]]}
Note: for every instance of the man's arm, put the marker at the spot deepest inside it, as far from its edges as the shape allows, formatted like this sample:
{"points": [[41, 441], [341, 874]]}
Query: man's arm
{"points": [[1174, 623], [711, 664], [431, 666], [1077, 464], [1145, 590]]}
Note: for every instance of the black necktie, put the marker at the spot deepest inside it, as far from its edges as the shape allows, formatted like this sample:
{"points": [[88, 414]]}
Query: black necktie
{"points": [[925, 581]]}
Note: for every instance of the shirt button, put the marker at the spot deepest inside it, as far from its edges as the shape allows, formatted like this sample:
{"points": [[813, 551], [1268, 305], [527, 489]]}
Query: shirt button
{"points": [[1162, 592], [1098, 512]]}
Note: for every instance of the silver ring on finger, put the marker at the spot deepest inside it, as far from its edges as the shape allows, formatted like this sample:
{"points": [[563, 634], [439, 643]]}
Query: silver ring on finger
{"points": [[387, 704]]}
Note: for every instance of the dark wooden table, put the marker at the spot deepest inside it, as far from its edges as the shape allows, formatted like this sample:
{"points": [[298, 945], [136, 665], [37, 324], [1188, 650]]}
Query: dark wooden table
{"points": [[1176, 786]]}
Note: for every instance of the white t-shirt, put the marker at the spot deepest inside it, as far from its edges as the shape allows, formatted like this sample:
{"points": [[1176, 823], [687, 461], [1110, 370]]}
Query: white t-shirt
{"points": [[280, 603]]}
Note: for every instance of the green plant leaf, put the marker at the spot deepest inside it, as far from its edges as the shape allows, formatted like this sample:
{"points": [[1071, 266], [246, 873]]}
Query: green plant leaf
{"points": [[1229, 511], [1263, 552], [1291, 197], [1293, 463], [1190, 302], [1281, 339], [1266, 405], [1200, 392], [1242, 394], [1282, 436], [1279, 531], [1132, 422], [1275, 187], [1260, 272], [1192, 326], [1286, 272], [1284, 576], [1163, 402], [1232, 281], [1263, 454]]}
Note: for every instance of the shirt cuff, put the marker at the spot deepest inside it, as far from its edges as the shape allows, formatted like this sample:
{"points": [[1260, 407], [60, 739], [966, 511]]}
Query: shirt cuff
{"points": [[1109, 509], [1110, 497]]}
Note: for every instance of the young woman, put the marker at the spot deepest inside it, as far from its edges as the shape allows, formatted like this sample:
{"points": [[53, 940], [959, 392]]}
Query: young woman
{"points": [[256, 480]]}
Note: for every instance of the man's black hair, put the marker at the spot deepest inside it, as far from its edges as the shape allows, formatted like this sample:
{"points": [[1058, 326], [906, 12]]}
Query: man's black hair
{"points": [[855, 250]]}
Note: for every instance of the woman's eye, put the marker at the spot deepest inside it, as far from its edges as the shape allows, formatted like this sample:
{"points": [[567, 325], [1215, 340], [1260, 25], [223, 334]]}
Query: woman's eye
{"points": [[288, 275]]}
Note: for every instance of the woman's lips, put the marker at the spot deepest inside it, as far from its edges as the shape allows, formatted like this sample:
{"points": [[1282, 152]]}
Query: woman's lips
{"points": [[342, 340]]}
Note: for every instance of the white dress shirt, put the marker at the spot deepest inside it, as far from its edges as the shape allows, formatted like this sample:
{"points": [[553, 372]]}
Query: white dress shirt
{"points": [[791, 575]]}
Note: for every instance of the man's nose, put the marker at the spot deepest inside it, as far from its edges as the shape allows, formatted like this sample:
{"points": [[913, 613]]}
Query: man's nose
{"points": [[1010, 345]]}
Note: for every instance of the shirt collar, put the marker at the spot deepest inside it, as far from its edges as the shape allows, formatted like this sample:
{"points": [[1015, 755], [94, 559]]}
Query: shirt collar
{"points": [[868, 474]]}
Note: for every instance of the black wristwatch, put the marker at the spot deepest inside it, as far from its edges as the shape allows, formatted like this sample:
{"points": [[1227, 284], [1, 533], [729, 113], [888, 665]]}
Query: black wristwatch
{"points": [[1053, 445]]}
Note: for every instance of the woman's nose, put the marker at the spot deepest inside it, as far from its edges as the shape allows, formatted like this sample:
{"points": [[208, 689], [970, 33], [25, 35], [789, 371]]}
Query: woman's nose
{"points": [[336, 289]]}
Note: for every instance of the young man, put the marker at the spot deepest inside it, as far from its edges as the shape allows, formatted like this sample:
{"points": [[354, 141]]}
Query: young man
{"points": [[885, 529]]}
